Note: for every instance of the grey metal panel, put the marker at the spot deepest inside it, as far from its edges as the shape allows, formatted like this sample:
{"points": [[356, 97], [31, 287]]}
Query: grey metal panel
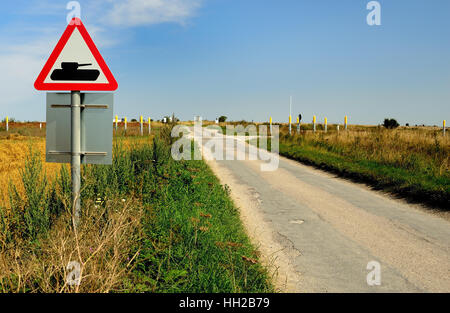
{"points": [[96, 128], [58, 133]]}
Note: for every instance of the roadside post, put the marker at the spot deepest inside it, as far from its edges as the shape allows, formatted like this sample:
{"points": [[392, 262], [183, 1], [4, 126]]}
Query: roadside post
{"points": [[125, 124], [149, 126], [79, 129], [314, 123], [443, 127], [142, 125], [337, 128], [299, 120], [40, 125], [345, 122], [270, 122], [290, 124], [290, 115], [117, 122], [326, 125], [7, 123]]}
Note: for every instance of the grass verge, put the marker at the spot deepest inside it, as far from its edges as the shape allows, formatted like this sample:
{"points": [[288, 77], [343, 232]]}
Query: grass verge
{"points": [[149, 224], [416, 172]]}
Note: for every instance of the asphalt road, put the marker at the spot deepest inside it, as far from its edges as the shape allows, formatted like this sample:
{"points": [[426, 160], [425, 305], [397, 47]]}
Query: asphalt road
{"points": [[320, 232]]}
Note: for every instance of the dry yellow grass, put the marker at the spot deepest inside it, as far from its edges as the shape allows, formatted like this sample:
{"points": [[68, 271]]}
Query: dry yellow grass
{"points": [[14, 148], [101, 250], [102, 244], [13, 152], [395, 147]]}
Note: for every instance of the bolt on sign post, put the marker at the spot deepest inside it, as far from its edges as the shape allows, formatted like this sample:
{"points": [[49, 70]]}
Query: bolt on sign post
{"points": [[76, 65], [345, 122], [7, 123], [142, 125], [326, 124], [149, 126], [314, 123]]}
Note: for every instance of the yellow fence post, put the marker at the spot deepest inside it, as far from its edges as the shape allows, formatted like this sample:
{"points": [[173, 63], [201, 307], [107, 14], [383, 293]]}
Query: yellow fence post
{"points": [[443, 127], [290, 124], [7, 123], [149, 127], [326, 124], [314, 123], [345, 122], [270, 122], [142, 125], [125, 123], [117, 122]]}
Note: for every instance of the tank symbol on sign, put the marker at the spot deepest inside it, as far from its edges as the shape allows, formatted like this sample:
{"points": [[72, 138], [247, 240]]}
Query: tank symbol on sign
{"points": [[70, 71]]}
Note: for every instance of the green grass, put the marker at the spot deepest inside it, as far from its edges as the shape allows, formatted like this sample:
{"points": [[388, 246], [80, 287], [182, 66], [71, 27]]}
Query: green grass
{"points": [[190, 237], [418, 183], [194, 238]]}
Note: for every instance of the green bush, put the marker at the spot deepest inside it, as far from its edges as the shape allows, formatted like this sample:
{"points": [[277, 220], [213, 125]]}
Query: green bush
{"points": [[390, 123], [29, 214]]}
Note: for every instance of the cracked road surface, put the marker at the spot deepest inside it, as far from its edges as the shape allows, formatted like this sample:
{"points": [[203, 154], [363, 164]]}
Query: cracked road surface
{"points": [[318, 232]]}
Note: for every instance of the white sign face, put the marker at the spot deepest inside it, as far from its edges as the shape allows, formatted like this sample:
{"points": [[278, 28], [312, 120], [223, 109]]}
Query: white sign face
{"points": [[76, 64], [76, 51]]}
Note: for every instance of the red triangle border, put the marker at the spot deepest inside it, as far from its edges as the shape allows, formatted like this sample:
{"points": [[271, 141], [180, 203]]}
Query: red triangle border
{"points": [[75, 23]]}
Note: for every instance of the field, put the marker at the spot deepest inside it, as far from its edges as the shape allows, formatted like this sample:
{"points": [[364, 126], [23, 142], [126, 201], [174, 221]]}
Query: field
{"points": [[411, 162], [149, 224], [152, 224]]}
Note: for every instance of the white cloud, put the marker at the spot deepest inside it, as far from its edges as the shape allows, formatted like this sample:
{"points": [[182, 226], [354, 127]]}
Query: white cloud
{"points": [[20, 65], [147, 12]]}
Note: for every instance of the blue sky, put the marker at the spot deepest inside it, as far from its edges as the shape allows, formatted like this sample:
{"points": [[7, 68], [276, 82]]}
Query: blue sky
{"points": [[244, 58]]}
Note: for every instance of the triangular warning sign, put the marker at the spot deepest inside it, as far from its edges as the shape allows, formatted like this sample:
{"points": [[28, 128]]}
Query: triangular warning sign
{"points": [[76, 64]]}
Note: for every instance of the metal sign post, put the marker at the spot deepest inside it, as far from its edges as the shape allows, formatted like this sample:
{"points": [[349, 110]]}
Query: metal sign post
{"points": [[76, 153], [74, 65]]}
